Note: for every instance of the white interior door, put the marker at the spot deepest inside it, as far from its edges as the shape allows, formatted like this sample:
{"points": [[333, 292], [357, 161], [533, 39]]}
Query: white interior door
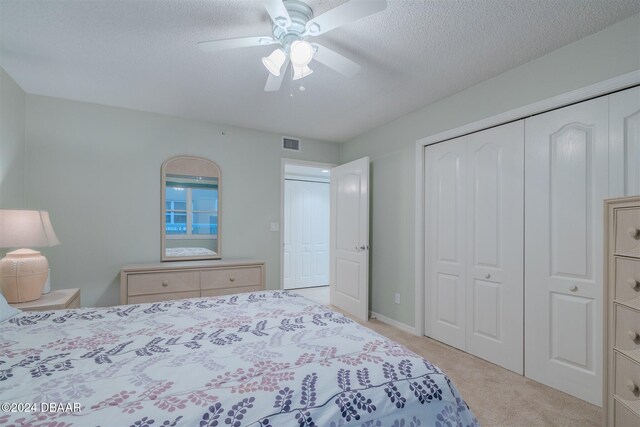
{"points": [[445, 240], [624, 143], [495, 233], [566, 180], [349, 238], [306, 234]]}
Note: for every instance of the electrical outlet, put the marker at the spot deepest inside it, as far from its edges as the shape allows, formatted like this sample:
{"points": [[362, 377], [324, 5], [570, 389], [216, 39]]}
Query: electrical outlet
{"points": [[275, 226], [397, 298]]}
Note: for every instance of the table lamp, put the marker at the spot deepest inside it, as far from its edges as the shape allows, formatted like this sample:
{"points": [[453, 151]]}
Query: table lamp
{"points": [[23, 272]]}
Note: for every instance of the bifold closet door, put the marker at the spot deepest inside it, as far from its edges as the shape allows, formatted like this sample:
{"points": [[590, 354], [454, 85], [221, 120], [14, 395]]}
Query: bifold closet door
{"points": [[445, 249], [624, 143], [474, 231], [566, 161], [495, 233]]}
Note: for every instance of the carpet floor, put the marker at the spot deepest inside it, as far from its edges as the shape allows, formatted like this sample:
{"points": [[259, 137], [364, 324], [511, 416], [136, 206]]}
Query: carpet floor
{"points": [[497, 397]]}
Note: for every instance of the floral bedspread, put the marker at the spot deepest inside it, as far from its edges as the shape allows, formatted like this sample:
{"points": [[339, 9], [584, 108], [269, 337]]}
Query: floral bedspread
{"points": [[260, 359]]}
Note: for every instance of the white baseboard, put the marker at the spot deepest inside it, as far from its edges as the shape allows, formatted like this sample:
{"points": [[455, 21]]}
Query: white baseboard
{"points": [[402, 326]]}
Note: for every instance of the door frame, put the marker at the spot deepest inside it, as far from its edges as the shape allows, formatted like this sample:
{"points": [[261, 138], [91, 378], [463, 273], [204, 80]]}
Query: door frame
{"points": [[283, 163], [602, 88]]}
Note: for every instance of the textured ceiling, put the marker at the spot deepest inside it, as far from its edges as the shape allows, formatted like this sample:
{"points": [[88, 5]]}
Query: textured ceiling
{"points": [[142, 55]]}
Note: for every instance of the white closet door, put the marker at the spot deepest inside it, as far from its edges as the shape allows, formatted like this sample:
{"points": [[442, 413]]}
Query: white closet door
{"points": [[566, 163], [288, 243], [495, 228], [306, 242], [445, 241], [624, 143]]}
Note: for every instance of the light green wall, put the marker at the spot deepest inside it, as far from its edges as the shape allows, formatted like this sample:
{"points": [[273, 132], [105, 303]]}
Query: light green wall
{"points": [[609, 53], [97, 170], [12, 119]]}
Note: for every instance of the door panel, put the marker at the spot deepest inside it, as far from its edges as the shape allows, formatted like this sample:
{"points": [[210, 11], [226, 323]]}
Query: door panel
{"points": [[566, 181], [495, 224], [306, 234], [445, 241], [624, 142], [349, 238]]}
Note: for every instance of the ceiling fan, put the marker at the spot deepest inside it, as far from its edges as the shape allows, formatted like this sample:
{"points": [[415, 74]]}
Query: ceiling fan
{"points": [[292, 23]]}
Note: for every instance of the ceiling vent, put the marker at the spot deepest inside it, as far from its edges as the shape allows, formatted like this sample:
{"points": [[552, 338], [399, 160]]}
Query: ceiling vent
{"points": [[290, 144]]}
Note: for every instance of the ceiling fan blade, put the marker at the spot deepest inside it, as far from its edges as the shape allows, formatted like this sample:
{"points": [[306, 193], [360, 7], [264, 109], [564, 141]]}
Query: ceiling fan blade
{"points": [[278, 13], [335, 61], [344, 14], [216, 45], [273, 82]]}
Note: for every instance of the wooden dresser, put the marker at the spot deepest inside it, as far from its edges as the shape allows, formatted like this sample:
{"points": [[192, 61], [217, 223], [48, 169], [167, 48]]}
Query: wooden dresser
{"points": [[189, 279], [622, 312]]}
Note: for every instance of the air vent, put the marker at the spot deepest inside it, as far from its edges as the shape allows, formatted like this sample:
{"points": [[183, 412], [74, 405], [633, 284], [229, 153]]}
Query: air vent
{"points": [[290, 144]]}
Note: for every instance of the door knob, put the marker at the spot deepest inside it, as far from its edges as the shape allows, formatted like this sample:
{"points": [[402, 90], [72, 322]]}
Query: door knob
{"points": [[633, 335], [487, 276], [233, 279], [633, 388], [633, 232], [633, 283], [574, 288], [165, 284]]}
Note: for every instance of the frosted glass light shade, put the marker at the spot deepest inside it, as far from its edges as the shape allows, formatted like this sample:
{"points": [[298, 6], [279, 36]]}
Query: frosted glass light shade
{"points": [[26, 229], [300, 72], [301, 53], [274, 62]]}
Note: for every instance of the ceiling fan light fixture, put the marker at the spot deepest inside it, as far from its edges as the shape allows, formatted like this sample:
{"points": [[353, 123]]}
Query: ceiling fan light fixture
{"points": [[300, 72], [274, 62], [301, 53]]}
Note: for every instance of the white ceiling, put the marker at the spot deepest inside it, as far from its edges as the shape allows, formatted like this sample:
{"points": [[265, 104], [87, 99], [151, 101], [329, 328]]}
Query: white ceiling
{"points": [[142, 55]]}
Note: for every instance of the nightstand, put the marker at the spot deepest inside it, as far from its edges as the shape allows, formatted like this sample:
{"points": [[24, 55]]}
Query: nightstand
{"points": [[54, 300]]}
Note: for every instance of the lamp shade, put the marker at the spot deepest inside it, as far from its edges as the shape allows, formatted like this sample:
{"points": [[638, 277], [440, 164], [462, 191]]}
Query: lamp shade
{"points": [[274, 62], [300, 72], [26, 229]]}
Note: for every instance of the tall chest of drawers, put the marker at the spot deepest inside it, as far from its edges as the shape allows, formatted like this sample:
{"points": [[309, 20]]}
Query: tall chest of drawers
{"points": [[189, 279], [622, 312]]}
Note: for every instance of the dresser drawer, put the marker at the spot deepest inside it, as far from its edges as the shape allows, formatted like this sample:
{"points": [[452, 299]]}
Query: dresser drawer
{"points": [[231, 277], [161, 283], [168, 296], [627, 331], [627, 274], [627, 380], [624, 417], [230, 291], [628, 232]]}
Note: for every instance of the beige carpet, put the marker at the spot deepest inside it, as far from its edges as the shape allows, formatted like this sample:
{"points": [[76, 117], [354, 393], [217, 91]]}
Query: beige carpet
{"points": [[498, 397]]}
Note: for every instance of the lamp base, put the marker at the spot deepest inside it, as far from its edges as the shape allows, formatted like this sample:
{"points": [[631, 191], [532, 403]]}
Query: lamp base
{"points": [[22, 275]]}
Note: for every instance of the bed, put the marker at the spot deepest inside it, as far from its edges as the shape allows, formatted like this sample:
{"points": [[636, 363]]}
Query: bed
{"points": [[260, 359]]}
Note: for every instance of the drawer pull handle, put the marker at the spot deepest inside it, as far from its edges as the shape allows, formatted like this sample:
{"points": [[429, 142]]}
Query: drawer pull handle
{"points": [[633, 335], [633, 232], [574, 288], [165, 284], [633, 387], [633, 283], [233, 279], [487, 276]]}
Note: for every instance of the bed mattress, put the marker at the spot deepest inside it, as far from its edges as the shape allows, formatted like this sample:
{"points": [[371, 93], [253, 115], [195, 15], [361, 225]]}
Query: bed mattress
{"points": [[260, 359]]}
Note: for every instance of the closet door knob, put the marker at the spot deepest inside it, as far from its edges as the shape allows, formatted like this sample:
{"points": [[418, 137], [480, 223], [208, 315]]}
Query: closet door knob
{"points": [[487, 276], [633, 283], [574, 288], [165, 284], [633, 232], [633, 387], [633, 335]]}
